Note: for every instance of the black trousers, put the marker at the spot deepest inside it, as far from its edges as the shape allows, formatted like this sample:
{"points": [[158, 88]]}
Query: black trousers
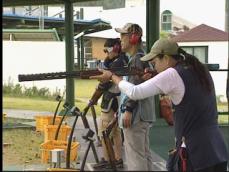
{"points": [[216, 168]]}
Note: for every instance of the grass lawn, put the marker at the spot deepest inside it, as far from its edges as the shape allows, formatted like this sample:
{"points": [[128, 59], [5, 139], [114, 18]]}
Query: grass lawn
{"points": [[16, 152], [21, 145], [84, 89], [39, 104]]}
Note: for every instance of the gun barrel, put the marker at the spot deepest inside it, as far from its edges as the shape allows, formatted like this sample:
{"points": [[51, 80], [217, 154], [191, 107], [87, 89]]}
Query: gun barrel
{"points": [[58, 75], [43, 76], [83, 74]]}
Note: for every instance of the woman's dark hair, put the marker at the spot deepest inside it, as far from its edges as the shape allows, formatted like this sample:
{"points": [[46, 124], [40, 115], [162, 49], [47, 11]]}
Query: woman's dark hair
{"points": [[193, 63]]}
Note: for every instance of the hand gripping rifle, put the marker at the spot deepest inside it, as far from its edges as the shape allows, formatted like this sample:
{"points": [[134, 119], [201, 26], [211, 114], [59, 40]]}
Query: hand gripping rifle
{"points": [[83, 74]]}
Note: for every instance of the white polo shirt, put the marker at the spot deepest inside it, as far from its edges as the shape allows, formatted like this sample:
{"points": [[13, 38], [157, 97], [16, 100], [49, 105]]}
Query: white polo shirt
{"points": [[167, 82]]}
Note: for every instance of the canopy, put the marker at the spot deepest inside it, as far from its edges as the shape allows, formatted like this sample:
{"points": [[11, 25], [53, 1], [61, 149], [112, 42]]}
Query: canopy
{"points": [[10, 21]]}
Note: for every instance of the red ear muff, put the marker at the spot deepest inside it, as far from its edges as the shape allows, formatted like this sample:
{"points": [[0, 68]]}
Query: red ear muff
{"points": [[134, 38], [116, 48]]}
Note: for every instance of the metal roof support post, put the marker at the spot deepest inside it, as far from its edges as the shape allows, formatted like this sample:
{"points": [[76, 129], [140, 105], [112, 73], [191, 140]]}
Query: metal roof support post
{"points": [[152, 31], [78, 53], [82, 52], [82, 43], [152, 34], [69, 50]]}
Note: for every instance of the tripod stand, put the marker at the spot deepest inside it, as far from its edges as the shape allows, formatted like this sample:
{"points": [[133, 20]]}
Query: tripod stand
{"points": [[76, 112]]}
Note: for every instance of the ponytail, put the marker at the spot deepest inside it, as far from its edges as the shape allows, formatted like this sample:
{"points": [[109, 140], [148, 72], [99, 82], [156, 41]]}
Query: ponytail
{"points": [[200, 69]]}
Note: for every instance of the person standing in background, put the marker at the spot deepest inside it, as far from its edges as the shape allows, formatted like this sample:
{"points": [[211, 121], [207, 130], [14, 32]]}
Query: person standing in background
{"points": [[135, 116], [109, 105]]}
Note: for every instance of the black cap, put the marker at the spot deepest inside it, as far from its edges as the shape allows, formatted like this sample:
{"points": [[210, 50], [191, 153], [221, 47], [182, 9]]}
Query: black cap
{"points": [[111, 42]]}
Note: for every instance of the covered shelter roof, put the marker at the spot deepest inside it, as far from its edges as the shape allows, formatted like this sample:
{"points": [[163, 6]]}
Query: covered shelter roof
{"points": [[9, 3], [30, 35], [10, 21]]}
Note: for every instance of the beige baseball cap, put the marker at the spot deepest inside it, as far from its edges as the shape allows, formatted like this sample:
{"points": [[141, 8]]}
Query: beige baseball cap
{"points": [[162, 46], [130, 28]]}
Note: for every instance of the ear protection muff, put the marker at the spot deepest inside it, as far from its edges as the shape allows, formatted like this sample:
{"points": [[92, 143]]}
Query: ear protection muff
{"points": [[117, 48], [134, 38], [135, 35]]}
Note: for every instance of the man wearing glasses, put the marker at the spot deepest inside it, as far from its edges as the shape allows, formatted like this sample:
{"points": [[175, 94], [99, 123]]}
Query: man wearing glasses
{"points": [[109, 105]]}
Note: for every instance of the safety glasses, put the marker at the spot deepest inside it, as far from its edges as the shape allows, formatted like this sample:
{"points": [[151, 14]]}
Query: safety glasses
{"points": [[108, 49]]}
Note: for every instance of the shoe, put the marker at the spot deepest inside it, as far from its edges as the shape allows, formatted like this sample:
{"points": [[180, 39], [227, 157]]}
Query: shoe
{"points": [[118, 164], [101, 164]]}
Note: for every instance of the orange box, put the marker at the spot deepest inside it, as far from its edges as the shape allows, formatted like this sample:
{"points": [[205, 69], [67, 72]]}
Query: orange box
{"points": [[58, 144], [45, 120], [50, 132]]}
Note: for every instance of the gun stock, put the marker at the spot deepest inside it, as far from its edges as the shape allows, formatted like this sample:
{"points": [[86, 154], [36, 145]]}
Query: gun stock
{"points": [[83, 74], [107, 141], [95, 97], [110, 150], [111, 125]]}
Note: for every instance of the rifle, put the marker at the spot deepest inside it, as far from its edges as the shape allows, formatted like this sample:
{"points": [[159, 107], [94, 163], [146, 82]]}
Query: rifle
{"points": [[95, 97], [107, 141], [83, 74]]}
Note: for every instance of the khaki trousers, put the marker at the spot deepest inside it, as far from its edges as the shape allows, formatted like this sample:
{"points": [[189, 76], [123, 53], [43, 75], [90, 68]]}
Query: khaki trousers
{"points": [[105, 119]]}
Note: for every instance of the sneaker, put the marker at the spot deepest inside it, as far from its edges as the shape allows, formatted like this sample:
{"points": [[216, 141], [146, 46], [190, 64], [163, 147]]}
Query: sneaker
{"points": [[118, 164], [101, 164]]}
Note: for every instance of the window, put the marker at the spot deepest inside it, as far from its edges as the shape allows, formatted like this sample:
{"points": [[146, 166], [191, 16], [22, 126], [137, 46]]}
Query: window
{"points": [[166, 18], [201, 52], [166, 21], [88, 49]]}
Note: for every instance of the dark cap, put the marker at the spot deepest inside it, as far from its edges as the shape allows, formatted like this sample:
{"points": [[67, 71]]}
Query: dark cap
{"points": [[111, 42]]}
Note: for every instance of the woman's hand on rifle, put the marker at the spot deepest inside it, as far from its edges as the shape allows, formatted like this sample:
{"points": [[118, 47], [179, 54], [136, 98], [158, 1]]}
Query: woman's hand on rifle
{"points": [[104, 77], [147, 74]]}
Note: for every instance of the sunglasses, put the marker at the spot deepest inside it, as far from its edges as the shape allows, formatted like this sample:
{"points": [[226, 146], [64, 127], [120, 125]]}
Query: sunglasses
{"points": [[108, 50]]}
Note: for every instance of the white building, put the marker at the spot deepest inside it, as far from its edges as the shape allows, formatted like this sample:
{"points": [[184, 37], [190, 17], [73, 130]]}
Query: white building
{"points": [[210, 45], [26, 57]]}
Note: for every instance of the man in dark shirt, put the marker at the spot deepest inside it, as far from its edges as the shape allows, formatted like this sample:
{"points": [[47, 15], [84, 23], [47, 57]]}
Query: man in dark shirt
{"points": [[109, 104]]}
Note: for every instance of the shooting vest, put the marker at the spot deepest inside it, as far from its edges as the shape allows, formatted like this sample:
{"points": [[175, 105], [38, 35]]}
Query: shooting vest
{"points": [[109, 99], [143, 110], [196, 119]]}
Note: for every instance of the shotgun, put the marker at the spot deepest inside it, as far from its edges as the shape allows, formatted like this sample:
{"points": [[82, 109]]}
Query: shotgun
{"points": [[83, 74], [108, 143]]}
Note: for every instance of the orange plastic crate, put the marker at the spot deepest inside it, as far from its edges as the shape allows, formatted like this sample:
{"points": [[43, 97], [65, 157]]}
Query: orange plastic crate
{"points": [[42, 120], [58, 144], [50, 132]]}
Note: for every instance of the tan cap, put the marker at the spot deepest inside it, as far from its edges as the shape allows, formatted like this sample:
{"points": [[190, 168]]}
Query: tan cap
{"points": [[130, 28], [162, 46]]}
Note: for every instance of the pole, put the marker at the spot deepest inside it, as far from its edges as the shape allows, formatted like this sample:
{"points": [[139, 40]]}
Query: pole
{"points": [[152, 32], [69, 49]]}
